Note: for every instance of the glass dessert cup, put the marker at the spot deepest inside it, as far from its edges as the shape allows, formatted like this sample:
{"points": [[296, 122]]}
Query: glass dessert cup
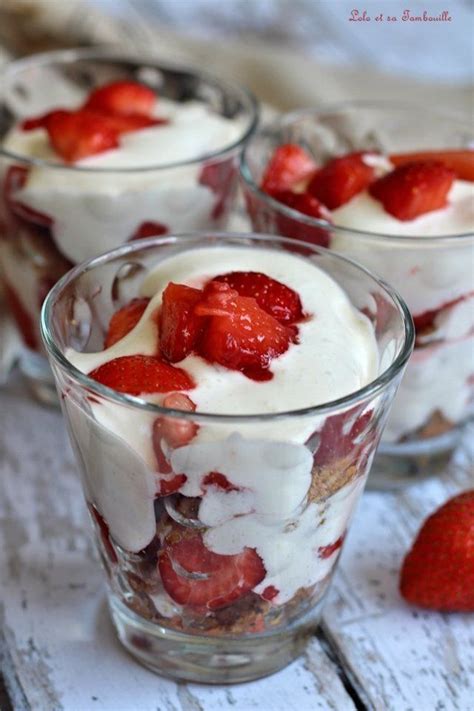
{"points": [[432, 273], [55, 214], [305, 471]]}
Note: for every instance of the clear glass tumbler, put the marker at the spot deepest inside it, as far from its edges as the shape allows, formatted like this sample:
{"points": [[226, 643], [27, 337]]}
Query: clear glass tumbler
{"points": [[434, 274], [54, 215], [309, 466]]}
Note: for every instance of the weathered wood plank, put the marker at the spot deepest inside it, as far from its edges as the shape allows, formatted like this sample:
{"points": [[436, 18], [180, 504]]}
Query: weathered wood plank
{"points": [[401, 657], [59, 647]]}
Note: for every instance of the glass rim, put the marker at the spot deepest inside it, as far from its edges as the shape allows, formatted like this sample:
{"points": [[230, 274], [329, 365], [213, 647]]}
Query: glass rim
{"points": [[369, 390], [111, 53], [288, 118]]}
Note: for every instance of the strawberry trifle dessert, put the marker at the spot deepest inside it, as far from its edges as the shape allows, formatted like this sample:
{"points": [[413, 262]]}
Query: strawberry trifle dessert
{"points": [[224, 411], [97, 150], [408, 215]]}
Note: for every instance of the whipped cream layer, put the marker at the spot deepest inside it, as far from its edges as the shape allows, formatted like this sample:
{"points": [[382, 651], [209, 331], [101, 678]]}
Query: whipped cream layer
{"points": [[93, 212], [267, 462]]}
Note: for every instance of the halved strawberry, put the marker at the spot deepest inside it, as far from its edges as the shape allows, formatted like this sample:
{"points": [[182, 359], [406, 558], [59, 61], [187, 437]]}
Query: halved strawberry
{"points": [[78, 134], [124, 320], [271, 295], [339, 436], [149, 229], [240, 335], [414, 189], [126, 124], [341, 179], [438, 572], [180, 327], [290, 164], [460, 161], [138, 374], [194, 576], [122, 98]]}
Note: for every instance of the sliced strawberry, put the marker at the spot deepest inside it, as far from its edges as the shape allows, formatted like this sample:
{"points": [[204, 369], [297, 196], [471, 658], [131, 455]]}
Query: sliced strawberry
{"points": [[341, 179], [414, 189], [220, 178], [138, 374], [78, 134], [271, 295], [194, 576], [122, 98], [240, 335], [220, 480], [22, 317], [290, 164], [339, 434], [149, 229], [460, 161], [124, 320], [305, 203], [15, 179], [327, 551], [438, 572], [180, 327]]}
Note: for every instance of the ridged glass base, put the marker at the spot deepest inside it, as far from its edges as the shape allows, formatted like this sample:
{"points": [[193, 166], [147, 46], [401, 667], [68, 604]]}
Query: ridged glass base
{"points": [[210, 659]]}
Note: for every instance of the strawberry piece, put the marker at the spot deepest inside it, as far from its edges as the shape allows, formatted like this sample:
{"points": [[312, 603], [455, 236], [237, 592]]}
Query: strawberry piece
{"points": [[22, 318], [240, 335], [78, 134], [271, 295], [305, 203], [123, 98], [137, 374], [414, 189], [426, 319], [149, 229], [269, 593], [341, 179], [104, 533], [327, 551], [438, 572], [15, 179], [220, 480], [180, 327], [339, 434], [35, 122], [184, 561], [290, 164], [124, 320], [460, 161], [126, 124], [171, 486], [220, 178], [175, 432]]}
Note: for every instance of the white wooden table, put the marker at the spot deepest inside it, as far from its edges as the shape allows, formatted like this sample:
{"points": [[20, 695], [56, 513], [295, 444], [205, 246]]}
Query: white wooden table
{"points": [[57, 646]]}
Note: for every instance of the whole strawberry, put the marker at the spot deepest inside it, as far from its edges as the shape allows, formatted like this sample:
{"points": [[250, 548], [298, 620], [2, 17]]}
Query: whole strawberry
{"points": [[438, 572]]}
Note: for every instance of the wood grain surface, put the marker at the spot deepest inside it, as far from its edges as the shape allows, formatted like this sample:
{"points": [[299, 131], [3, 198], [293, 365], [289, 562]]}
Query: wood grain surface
{"points": [[57, 646]]}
